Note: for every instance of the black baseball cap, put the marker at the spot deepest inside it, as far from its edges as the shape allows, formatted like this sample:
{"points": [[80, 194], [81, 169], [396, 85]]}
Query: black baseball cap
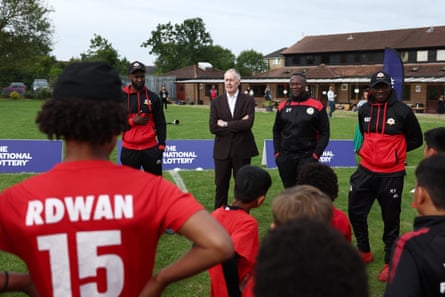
{"points": [[88, 80], [136, 66], [380, 77]]}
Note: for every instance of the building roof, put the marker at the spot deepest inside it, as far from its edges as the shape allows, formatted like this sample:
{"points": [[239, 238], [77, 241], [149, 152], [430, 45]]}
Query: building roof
{"points": [[356, 72], [196, 71], [277, 53], [417, 38]]}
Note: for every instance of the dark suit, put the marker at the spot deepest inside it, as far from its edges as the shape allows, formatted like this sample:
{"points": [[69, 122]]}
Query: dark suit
{"points": [[234, 145]]}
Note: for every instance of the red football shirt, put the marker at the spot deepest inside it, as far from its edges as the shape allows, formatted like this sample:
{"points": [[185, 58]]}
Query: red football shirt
{"points": [[243, 229], [90, 228]]}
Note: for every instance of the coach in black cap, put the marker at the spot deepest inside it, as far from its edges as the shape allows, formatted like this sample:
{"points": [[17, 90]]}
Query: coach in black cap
{"points": [[381, 78], [144, 144], [390, 130], [136, 66]]}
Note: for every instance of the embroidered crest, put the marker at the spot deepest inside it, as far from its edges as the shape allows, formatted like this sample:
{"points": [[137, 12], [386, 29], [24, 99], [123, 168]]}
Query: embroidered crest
{"points": [[390, 121], [310, 111]]}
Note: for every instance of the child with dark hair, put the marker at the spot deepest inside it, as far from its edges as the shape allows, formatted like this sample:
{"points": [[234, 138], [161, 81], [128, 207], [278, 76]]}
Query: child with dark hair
{"points": [[434, 141], [325, 179], [418, 257], [235, 276], [307, 257], [78, 227]]}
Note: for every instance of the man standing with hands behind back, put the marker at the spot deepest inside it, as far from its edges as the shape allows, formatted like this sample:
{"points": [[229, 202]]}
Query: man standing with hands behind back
{"points": [[390, 130], [144, 143], [231, 120]]}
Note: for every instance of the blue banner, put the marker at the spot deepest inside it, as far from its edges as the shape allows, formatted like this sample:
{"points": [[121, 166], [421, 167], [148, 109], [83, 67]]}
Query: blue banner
{"points": [[29, 156], [185, 154], [32, 156], [338, 153], [392, 64]]}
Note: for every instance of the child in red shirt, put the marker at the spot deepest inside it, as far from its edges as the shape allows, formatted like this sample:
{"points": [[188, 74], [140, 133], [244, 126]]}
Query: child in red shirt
{"points": [[235, 276]]}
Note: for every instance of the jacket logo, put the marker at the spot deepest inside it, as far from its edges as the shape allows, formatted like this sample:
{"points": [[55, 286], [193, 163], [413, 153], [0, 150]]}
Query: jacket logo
{"points": [[390, 121], [367, 119], [310, 111], [288, 109]]}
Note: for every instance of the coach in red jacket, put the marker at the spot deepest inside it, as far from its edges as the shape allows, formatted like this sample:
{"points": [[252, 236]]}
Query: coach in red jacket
{"points": [[144, 143], [231, 119]]}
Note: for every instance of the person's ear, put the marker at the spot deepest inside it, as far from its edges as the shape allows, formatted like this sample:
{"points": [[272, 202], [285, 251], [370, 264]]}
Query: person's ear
{"points": [[421, 199], [429, 151], [272, 226], [260, 200]]}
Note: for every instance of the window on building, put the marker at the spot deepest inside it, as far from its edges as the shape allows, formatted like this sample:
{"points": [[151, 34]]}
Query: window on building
{"points": [[325, 59], [406, 92], [310, 60], [295, 60], [258, 90], [356, 58], [276, 61], [440, 55], [280, 91], [422, 56]]}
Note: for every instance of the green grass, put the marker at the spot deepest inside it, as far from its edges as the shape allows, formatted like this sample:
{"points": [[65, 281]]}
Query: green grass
{"points": [[17, 122]]}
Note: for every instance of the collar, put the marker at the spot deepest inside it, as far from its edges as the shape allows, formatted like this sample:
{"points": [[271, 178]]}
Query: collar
{"points": [[428, 221], [234, 96], [232, 207]]}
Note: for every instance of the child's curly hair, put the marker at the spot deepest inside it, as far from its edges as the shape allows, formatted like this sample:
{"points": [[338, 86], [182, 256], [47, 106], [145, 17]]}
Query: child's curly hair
{"points": [[84, 120]]}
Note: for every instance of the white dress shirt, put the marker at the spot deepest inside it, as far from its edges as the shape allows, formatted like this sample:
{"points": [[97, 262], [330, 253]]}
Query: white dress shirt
{"points": [[232, 101]]}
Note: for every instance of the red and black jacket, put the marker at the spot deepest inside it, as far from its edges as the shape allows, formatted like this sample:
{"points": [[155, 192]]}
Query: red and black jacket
{"points": [[140, 137], [301, 127], [390, 130]]}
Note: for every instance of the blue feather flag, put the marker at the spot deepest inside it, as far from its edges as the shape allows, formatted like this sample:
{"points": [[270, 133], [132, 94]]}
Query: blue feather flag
{"points": [[393, 65]]}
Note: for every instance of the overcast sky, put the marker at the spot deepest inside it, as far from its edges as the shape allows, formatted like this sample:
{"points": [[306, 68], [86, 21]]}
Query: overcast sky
{"points": [[233, 24]]}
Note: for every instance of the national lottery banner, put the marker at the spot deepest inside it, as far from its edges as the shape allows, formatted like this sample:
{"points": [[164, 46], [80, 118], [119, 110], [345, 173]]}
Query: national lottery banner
{"points": [[338, 153], [185, 154], [34, 156], [20, 156]]}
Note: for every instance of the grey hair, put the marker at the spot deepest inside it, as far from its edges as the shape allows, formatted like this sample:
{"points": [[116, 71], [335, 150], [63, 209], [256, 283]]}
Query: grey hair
{"points": [[233, 70]]}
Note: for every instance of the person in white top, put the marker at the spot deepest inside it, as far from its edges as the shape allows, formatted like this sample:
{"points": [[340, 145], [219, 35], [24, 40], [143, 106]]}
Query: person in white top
{"points": [[331, 100]]}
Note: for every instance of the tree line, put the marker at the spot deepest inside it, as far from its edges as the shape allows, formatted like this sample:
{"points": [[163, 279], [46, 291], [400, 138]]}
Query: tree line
{"points": [[26, 33]]}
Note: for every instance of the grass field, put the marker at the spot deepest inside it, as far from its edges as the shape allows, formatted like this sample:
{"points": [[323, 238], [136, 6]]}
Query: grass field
{"points": [[17, 122]]}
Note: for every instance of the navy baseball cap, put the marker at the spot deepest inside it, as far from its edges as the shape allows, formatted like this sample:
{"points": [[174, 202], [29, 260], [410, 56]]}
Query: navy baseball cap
{"points": [[380, 77]]}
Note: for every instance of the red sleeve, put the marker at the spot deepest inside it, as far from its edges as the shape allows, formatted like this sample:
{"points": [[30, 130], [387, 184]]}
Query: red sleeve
{"points": [[341, 222], [404, 277], [177, 205]]}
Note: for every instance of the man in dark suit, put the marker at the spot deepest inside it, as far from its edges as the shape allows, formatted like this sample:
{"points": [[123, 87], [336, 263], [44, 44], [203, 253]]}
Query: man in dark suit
{"points": [[231, 119]]}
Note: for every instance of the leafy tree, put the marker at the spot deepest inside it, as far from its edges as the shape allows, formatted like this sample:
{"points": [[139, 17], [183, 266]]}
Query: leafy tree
{"points": [[179, 45], [25, 35], [102, 50], [250, 62], [219, 57]]}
